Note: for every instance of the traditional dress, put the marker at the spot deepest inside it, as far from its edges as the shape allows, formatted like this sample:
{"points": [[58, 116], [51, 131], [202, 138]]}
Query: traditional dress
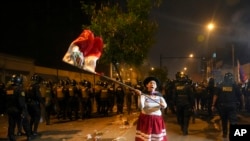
{"points": [[151, 125]]}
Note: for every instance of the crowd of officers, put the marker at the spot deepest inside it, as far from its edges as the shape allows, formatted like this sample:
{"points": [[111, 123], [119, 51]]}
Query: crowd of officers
{"points": [[27, 104], [68, 99], [186, 99]]}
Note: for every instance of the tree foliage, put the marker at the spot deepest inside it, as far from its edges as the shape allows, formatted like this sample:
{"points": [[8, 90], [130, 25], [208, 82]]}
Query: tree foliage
{"points": [[127, 30]]}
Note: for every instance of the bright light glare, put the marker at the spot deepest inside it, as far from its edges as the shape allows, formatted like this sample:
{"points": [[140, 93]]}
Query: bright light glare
{"points": [[210, 26]]}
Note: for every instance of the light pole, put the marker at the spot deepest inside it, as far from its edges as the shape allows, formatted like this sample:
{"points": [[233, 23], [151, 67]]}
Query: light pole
{"points": [[210, 70]]}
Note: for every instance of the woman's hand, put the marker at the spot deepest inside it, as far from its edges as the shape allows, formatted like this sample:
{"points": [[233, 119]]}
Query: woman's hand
{"points": [[138, 92]]}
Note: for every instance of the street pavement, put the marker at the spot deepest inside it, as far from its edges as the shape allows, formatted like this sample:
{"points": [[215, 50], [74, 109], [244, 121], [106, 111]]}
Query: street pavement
{"points": [[119, 128]]}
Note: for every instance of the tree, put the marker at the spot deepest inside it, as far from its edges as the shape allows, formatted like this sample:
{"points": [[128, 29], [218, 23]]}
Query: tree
{"points": [[126, 29]]}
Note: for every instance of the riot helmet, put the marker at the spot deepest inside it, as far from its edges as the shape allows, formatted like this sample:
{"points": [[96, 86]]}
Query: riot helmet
{"points": [[48, 84], [73, 82], [104, 83], [66, 82], [2, 85], [181, 77], [16, 79], [211, 82], [87, 84], [61, 83], [228, 77], [36, 78]]}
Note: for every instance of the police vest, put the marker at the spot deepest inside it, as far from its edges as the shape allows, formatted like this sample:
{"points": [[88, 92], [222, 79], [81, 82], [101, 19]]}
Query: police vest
{"points": [[85, 93], [181, 94], [59, 92], [228, 94], [119, 90], [43, 91], [48, 96], [71, 91], [104, 94]]}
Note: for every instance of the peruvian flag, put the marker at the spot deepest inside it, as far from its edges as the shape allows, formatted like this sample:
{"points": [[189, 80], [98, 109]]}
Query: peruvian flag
{"points": [[84, 51]]}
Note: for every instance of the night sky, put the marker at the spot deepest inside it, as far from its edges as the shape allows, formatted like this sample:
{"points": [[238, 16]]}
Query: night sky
{"points": [[181, 22], [43, 30]]}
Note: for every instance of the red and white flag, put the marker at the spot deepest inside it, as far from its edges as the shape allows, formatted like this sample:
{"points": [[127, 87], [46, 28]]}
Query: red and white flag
{"points": [[84, 51]]}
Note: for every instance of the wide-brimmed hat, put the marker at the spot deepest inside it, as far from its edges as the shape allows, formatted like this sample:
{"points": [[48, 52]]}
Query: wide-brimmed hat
{"points": [[151, 78]]}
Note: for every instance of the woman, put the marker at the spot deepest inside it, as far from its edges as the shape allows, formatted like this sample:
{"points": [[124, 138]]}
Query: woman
{"points": [[151, 124]]}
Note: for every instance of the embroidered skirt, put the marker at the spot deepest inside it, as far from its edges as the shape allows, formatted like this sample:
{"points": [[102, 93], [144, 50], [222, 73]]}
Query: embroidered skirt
{"points": [[150, 128]]}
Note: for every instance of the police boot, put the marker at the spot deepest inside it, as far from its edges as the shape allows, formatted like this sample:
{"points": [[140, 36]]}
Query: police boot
{"points": [[29, 138], [12, 138], [20, 133]]}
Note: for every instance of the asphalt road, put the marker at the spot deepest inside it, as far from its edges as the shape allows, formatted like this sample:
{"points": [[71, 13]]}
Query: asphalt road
{"points": [[117, 128]]}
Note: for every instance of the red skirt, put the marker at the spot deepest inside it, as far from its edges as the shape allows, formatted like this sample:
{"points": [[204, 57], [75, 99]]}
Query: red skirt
{"points": [[150, 128]]}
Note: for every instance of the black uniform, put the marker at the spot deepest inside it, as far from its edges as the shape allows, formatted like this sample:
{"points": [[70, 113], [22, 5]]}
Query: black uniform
{"points": [[169, 96], [85, 98], [119, 92], [17, 108], [226, 98], [2, 98], [48, 101], [210, 93], [104, 99], [184, 102], [34, 99], [111, 97], [73, 105], [61, 98]]}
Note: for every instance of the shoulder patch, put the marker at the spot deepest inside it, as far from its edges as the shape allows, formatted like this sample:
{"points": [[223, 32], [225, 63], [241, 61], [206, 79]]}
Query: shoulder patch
{"points": [[10, 92], [180, 87], [22, 93], [227, 89]]}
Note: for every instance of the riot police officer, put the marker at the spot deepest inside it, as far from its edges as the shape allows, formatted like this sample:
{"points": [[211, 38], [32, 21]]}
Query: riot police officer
{"points": [[104, 99], [34, 102], [85, 98], [48, 101], [120, 94], [16, 107], [61, 98], [184, 101], [226, 99], [2, 98], [210, 93], [111, 97], [73, 103], [169, 87]]}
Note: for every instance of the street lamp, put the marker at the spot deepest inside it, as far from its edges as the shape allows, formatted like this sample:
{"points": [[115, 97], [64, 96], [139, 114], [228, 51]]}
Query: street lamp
{"points": [[210, 27], [190, 56]]}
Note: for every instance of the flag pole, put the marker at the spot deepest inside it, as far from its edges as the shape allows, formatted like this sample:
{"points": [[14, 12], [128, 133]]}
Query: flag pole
{"points": [[123, 84]]}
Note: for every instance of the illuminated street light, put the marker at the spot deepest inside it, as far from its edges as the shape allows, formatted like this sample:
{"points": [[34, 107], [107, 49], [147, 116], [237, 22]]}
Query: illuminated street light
{"points": [[210, 26], [191, 55]]}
